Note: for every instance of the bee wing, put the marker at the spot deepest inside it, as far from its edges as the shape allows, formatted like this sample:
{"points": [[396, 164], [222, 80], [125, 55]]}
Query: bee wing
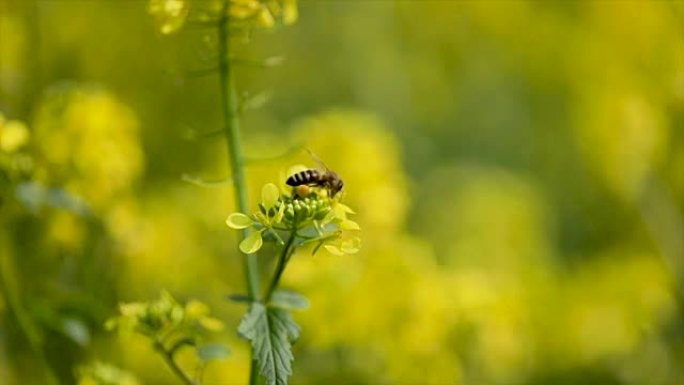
{"points": [[317, 160]]}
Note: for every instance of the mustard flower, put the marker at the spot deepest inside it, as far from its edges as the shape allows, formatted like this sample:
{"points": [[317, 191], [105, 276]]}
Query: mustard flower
{"points": [[314, 219]]}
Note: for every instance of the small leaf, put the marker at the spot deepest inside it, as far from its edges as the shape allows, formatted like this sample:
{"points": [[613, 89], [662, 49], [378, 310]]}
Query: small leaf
{"points": [[289, 300], [349, 225], [253, 102], [333, 250], [212, 352], [76, 330], [252, 243], [111, 323], [244, 298], [198, 181], [271, 332], [239, 221], [269, 195]]}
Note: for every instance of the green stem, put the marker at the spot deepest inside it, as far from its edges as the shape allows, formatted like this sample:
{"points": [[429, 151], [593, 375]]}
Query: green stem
{"points": [[177, 370], [280, 267], [10, 291], [231, 119]]}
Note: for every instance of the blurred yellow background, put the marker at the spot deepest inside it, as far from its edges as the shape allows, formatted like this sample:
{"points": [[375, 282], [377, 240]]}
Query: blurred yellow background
{"points": [[517, 168]]}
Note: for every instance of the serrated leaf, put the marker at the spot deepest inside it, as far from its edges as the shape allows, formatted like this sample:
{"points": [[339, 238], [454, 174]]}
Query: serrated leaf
{"points": [[252, 243], [239, 221], [212, 352], [289, 300], [271, 332]]}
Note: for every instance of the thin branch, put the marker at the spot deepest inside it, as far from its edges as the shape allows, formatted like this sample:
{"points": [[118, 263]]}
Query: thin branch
{"points": [[293, 149], [280, 267], [197, 181], [173, 365]]}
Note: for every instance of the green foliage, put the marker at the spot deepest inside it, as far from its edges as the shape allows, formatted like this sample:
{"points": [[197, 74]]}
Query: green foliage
{"points": [[170, 326], [271, 331], [212, 352], [165, 317], [289, 300]]}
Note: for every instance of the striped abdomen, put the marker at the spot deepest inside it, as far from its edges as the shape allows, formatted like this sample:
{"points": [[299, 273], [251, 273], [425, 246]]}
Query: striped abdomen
{"points": [[304, 177]]}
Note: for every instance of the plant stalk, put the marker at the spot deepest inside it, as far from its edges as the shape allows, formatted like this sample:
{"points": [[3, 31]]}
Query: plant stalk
{"points": [[231, 120], [280, 267], [168, 358]]}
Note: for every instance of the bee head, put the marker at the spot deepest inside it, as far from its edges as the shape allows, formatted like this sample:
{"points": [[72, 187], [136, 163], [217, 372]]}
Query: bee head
{"points": [[336, 186]]}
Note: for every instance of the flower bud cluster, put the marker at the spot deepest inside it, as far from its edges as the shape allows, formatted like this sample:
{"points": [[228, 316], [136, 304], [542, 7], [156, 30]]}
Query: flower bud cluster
{"points": [[292, 211], [165, 316], [315, 218], [171, 15]]}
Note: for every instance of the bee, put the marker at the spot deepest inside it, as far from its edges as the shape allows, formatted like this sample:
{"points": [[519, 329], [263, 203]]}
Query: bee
{"points": [[325, 178]]}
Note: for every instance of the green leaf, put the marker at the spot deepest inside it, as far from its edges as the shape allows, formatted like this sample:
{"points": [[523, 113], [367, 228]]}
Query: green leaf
{"points": [[252, 243], [76, 330], [269, 195], [239, 221], [271, 332], [289, 300], [240, 298], [212, 352]]}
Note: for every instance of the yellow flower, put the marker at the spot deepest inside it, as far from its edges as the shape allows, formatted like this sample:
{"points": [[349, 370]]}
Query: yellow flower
{"points": [[169, 15], [13, 135]]}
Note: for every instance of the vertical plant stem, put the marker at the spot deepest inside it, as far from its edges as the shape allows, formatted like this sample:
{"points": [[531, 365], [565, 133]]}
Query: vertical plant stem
{"points": [[231, 120]]}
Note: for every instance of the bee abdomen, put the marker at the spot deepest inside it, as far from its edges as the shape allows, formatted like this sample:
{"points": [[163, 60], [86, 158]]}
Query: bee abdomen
{"points": [[303, 177]]}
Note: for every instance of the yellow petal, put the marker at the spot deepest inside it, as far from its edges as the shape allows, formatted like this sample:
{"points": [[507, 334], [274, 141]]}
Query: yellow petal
{"points": [[252, 243], [269, 195], [349, 225], [195, 309], [333, 250], [211, 324], [239, 221]]}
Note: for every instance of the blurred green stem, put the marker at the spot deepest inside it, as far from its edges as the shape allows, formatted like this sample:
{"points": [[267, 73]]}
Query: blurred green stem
{"points": [[167, 355], [231, 119], [10, 290]]}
